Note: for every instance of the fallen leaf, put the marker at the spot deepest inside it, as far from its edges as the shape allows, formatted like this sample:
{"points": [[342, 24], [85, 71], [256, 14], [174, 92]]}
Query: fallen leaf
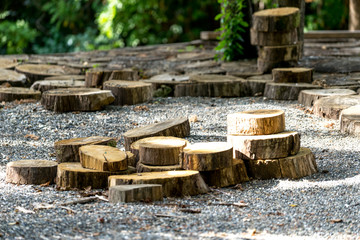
{"points": [[193, 119], [96, 234], [336, 220], [88, 188], [188, 210], [329, 125], [293, 205], [101, 220], [23, 210], [14, 223], [32, 136], [45, 184], [141, 108]]}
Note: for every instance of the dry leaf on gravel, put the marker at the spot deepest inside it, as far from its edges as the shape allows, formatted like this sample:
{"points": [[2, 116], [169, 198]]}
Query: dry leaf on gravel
{"points": [[32, 136], [141, 108]]}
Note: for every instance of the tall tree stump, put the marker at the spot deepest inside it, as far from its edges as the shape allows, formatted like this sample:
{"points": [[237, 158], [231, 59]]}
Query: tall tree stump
{"points": [[308, 97], [18, 93], [135, 193], [286, 91], [331, 107], [13, 78], [350, 120], [292, 75]]}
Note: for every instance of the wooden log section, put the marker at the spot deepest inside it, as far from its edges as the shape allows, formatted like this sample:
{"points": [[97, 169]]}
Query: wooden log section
{"points": [[96, 77], [71, 175], [208, 156], [67, 150], [129, 92], [31, 172], [228, 176], [126, 74], [161, 151], [268, 66], [273, 38], [177, 127], [308, 97], [292, 75], [331, 107], [350, 120], [103, 158], [294, 167], [140, 167], [209, 35], [271, 146], [67, 77], [6, 63], [174, 183], [76, 99], [256, 122], [18, 93], [135, 193], [46, 85], [286, 91], [279, 53], [13, 78], [276, 19]]}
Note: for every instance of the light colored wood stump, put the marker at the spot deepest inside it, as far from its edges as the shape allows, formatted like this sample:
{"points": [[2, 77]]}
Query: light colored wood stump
{"points": [[177, 127], [96, 77], [18, 93], [286, 91], [276, 19], [135, 193], [71, 175], [308, 97], [129, 92], [207, 156], [350, 120], [31, 172], [174, 183], [13, 78], [140, 167], [273, 38], [76, 99], [67, 77], [256, 122], [67, 150], [228, 176], [294, 167], [271, 146], [6, 63], [103, 158], [46, 85], [292, 75], [39, 71], [126, 74], [331, 107]]}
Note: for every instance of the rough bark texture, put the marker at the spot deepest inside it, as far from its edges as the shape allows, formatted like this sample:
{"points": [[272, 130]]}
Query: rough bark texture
{"points": [[308, 97], [73, 175], [76, 99], [286, 91], [68, 150], [129, 92], [103, 158], [271, 146], [174, 183], [177, 127], [331, 107], [31, 172], [207, 156], [292, 75], [13, 78], [273, 38], [354, 15], [350, 120], [18, 93], [255, 87], [126, 74], [256, 122], [140, 167], [46, 85], [279, 53], [96, 77], [135, 193]]}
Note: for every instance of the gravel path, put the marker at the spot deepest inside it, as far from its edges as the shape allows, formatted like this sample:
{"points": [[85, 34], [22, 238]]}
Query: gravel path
{"points": [[323, 206]]}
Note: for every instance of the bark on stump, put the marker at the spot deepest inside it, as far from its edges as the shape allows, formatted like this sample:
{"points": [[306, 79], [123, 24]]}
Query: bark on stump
{"points": [[126, 74], [140, 167], [350, 120], [135, 193], [286, 91], [67, 77], [96, 77], [331, 107], [273, 38], [39, 71], [308, 97], [46, 85], [18, 93], [275, 54], [13, 78], [292, 75]]}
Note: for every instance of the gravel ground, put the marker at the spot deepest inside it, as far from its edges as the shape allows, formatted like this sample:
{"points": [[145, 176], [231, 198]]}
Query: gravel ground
{"points": [[323, 206]]}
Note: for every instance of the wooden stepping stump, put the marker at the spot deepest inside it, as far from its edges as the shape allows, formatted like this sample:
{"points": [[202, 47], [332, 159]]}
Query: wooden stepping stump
{"points": [[76, 99], [13, 78], [271, 146], [140, 167], [256, 122], [350, 120], [293, 167], [228, 176], [126, 74], [174, 183], [207, 156], [177, 127], [67, 77], [103, 158], [18, 93], [31, 172], [273, 38], [135, 193], [6, 63], [286, 91], [292, 75], [68, 150], [39, 71], [331, 107], [46, 85], [72, 175], [129, 92], [96, 77], [308, 97]]}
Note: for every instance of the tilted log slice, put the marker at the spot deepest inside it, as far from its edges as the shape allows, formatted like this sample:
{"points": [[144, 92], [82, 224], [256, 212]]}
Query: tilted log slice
{"points": [[256, 122], [331, 107], [286, 91], [308, 97], [140, 167], [135, 193], [31, 172], [273, 38], [13, 78], [350, 120], [174, 183], [18, 93], [292, 75], [39, 71], [46, 85]]}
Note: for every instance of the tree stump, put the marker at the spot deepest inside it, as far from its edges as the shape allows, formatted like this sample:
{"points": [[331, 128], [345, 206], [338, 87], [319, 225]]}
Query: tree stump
{"points": [[68, 150], [46, 85], [350, 120], [256, 122], [209, 35], [67, 77], [18, 93], [103, 158], [174, 183], [277, 145], [135, 193], [273, 38], [207, 156], [96, 77], [13, 78], [129, 92], [39, 71], [308, 97], [126, 74], [31, 172], [225, 177], [140, 167], [177, 127], [286, 91], [76, 99], [6, 63], [331, 107], [72, 175], [255, 87], [292, 75]]}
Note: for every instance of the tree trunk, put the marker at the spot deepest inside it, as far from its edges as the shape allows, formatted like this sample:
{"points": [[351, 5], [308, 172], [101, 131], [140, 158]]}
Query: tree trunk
{"points": [[354, 15]]}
